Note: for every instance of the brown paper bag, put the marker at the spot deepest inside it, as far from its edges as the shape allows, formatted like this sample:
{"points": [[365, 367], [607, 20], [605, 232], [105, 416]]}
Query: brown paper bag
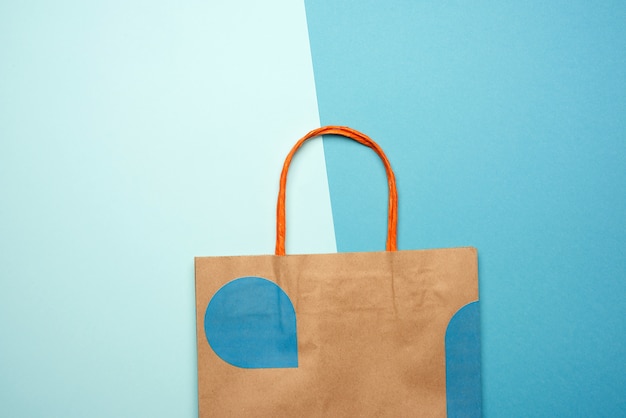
{"points": [[339, 335]]}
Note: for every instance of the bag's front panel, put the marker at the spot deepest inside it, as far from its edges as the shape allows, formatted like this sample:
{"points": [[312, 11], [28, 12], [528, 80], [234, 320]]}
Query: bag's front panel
{"points": [[370, 334]]}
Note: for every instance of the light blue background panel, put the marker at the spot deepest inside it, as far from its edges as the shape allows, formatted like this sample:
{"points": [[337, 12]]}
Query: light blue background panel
{"points": [[134, 136], [504, 122]]}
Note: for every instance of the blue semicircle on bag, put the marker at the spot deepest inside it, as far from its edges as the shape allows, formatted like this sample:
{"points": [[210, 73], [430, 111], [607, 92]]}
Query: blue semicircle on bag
{"points": [[250, 322], [463, 381]]}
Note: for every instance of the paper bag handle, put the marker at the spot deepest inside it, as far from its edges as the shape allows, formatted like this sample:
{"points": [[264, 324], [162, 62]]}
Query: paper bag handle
{"points": [[392, 208]]}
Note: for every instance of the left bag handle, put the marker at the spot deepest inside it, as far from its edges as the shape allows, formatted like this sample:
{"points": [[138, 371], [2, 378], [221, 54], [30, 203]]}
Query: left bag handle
{"points": [[392, 206]]}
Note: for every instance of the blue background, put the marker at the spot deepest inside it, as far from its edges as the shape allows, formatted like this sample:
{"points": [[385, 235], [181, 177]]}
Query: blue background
{"points": [[505, 124], [136, 135]]}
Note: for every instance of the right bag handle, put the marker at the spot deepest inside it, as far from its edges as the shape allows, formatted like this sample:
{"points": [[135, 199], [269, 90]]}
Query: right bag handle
{"points": [[392, 208]]}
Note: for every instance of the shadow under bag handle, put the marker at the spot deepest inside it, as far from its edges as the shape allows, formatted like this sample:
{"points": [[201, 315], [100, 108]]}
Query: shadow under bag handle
{"points": [[392, 208]]}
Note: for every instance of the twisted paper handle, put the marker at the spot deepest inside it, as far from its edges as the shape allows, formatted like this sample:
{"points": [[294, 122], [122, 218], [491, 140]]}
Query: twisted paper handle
{"points": [[392, 209]]}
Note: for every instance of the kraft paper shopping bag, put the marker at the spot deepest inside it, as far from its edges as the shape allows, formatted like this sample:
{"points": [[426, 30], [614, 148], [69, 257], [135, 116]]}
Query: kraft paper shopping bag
{"points": [[373, 334]]}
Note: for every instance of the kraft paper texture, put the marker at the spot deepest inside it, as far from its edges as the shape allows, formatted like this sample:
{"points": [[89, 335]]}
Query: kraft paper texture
{"points": [[370, 334]]}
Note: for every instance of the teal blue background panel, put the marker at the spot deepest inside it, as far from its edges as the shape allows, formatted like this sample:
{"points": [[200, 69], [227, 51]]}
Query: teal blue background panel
{"points": [[504, 122]]}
